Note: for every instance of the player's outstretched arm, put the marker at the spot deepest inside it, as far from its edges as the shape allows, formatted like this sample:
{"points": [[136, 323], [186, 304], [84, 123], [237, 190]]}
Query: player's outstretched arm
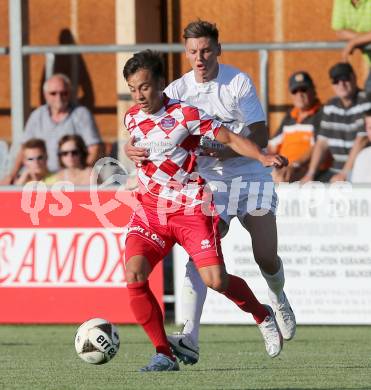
{"points": [[246, 148], [135, 154], [257, 133]]}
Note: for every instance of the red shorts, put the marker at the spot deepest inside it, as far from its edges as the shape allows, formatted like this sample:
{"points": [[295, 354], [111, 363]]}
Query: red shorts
{"points": [[153, 234]]}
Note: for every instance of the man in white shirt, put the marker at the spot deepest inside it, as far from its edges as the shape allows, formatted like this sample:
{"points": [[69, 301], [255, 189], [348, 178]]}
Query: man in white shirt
{"points": [[241, 187]]}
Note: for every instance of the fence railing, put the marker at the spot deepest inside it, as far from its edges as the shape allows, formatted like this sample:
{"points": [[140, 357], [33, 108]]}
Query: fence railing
{"points": [[17, 51]]}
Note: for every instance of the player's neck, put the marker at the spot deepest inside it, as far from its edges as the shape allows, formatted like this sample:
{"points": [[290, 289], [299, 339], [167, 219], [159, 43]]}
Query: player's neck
{"points": [[157, 105], [207, 77]]}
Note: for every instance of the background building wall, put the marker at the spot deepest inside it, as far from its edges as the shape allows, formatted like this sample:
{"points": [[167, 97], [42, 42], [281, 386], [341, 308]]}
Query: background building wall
{"points": [[94, 22], [4, 74], [67, 22]]}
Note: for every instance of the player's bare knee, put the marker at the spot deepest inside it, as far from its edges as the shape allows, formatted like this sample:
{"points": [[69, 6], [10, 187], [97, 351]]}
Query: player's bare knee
{"points": [[270, 264], [137, 269], [214, 277], [218, 286], [217, 283]]}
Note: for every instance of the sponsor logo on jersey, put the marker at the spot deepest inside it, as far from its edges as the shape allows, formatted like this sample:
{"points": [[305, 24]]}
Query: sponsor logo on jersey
{"points": [[168, 123], [153, 236]]}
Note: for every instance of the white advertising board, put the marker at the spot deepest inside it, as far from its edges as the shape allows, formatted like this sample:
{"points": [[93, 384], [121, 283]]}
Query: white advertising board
{"points": [[325, 244]]}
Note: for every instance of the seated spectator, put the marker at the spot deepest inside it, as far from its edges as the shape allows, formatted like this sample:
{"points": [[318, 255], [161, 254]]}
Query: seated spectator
{"points": [[362, 165], [57, 118], [72, 155], [341, 128], [298, 130], [34, 158], [351, 19]]}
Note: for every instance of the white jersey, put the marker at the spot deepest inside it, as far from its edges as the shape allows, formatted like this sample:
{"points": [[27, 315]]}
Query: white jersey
{"points": [[231, 98]]}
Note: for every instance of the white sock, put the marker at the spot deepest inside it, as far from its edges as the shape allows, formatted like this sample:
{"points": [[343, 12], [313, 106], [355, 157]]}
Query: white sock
{"points": [[193, 298], [275, 284]]}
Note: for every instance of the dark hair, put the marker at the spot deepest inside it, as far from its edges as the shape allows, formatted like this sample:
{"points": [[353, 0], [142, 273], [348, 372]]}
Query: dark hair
{"points": [[146, 59], [35, 143], [368, 112], [201, 28], [80, 146]]}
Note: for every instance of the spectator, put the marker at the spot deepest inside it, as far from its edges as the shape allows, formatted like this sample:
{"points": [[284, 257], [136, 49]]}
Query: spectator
{"points": [[298, 130], [351, 19], [341, 128], [72, 156], [57, 118], [361, 171], [34, 158]]}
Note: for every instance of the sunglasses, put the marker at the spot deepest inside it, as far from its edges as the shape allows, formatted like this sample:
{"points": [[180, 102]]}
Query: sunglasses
{"points": [[64, 153], [300, 89], [60, 93], [337, 80], [37, 158]]}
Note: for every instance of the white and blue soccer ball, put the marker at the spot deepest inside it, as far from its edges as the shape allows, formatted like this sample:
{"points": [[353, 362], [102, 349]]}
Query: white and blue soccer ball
{"points": [[97, 341]]}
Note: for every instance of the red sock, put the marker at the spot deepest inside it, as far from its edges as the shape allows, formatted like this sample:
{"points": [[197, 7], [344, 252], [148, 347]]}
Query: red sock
{"points": [[148, 314], [239, 292]]}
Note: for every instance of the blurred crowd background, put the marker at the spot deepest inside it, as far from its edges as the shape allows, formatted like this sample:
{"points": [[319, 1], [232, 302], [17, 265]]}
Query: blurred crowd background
{"points": [[87, 96]]}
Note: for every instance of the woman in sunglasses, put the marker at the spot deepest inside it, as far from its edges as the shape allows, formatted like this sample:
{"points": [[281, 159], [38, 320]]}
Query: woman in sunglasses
{"points": [[72, 155]]}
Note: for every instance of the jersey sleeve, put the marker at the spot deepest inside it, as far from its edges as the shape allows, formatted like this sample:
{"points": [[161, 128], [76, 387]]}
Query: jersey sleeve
{"points": [[171, 91], [249, 106], [199, 123], [129, 122]]}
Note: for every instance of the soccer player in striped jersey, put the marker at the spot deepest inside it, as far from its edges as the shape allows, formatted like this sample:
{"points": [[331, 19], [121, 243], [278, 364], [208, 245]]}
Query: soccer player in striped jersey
{"points": [[174, 206]]}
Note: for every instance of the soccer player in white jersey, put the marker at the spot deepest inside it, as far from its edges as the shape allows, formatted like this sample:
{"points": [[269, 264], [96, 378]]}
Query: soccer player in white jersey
{"points": [[173, 206], [228, 94]]}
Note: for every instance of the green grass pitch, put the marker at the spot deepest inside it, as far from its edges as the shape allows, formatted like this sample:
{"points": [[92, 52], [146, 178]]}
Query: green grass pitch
{"points": [[42, 357]]}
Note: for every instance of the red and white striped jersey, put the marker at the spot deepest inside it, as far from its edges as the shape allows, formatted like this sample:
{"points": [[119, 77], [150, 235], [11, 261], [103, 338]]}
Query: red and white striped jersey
{"points": [[171, 136]]}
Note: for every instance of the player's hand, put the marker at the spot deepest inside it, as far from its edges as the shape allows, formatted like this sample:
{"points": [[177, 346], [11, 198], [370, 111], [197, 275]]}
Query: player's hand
{"points": [[273, 160], [138, 155]]}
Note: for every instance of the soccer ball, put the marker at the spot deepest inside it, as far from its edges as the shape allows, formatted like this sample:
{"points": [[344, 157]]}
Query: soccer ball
{"points": [[97, 341]]}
